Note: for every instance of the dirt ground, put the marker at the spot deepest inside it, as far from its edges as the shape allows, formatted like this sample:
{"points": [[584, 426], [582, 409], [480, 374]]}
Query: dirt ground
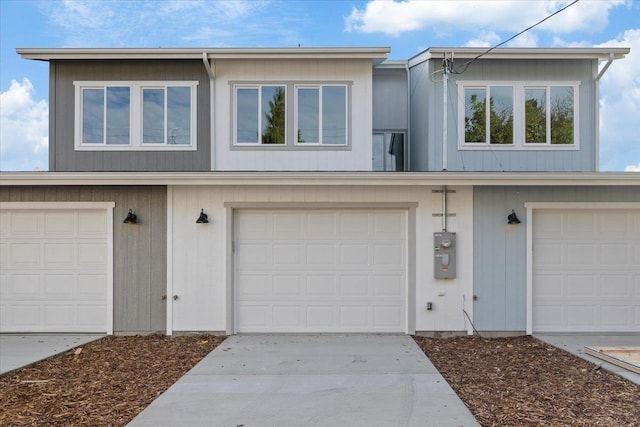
{"points": [[103, 383], [525, 382], [505, 382]]}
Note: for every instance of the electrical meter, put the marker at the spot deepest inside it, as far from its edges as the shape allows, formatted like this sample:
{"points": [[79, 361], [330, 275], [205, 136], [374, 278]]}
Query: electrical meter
{"points": [[444, 255]]}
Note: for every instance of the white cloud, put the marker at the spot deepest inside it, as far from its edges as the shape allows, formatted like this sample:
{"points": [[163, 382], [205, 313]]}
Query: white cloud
{"points": [[24, 129], [396, 17], [620, 106], [632, 168], [167, 23], [484, 39]]}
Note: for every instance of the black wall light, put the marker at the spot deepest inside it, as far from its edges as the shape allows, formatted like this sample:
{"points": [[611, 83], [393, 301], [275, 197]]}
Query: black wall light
{"points": [[513, 218], [131, 218], [203, 218]]}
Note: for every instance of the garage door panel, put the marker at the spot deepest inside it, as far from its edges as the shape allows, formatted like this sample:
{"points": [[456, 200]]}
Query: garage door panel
{"points": [[55, 278], [323, 270], [593, 286]]}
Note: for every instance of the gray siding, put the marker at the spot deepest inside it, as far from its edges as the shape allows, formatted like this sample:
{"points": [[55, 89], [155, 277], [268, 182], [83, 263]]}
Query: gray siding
{"points": [[421, 112], [390, 99], [499, 263], [140, 251], [63, 157], [430, 121]]}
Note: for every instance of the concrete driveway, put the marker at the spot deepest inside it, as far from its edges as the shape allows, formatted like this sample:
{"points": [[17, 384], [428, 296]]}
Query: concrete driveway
{"points": [[310, 380], [17, 350]]}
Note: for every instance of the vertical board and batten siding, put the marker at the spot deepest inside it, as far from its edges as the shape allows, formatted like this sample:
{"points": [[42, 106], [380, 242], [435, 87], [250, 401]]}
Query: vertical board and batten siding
{"points": [[62, 154], [421, 112], [499, 249], [139, 260], [356, 73], [200, 257], [549, 160], [390, 99]]}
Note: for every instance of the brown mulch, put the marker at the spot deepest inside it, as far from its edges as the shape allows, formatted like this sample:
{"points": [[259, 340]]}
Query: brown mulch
{"points": [[103, 383], [524, 382]]}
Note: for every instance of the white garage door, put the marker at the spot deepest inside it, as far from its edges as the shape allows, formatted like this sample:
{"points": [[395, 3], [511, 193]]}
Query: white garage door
{"points": [[586, 271], [55, 275], [321, 270]]}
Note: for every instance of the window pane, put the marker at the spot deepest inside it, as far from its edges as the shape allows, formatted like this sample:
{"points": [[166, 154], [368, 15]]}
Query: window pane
{"points": [[308, 115], [562, 115], [535, 113], [501, 118], [334, 115], [273, 114], [118, 116], [396, 152], [378, 152], [93, 116], [247, 115], [153, 116], [475, 120], [178, 115]]}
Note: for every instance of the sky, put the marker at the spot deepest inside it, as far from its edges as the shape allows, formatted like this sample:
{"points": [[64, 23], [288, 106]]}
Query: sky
{"points": [[407, 27]]}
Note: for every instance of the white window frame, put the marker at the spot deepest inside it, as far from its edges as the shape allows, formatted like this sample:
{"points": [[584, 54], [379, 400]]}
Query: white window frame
{"points": [[320, 142], [135, 118], [519, 115], [259, 87]]}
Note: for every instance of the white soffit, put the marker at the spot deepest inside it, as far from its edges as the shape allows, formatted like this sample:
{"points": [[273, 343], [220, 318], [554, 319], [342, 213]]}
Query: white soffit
{"points": [[321, 178]]}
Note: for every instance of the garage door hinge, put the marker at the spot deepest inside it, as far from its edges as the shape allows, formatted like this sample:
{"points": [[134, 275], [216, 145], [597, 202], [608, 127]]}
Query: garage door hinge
{"points": [[233, 246]]}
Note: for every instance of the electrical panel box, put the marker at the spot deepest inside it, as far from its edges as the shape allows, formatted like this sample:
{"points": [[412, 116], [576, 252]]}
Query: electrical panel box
{"points": [[444, 255]]}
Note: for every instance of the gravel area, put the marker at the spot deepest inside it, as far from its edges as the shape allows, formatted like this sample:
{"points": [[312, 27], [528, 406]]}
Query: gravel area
{"points": [[524, 382], [504, 382]]}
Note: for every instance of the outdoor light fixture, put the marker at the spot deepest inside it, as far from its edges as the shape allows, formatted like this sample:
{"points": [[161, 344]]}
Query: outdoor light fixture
{"points": [[203, 218], [513, 218], [131, 218]]}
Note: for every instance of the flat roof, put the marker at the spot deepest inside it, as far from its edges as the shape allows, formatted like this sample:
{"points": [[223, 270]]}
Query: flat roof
{"points": [[601, 53], [322, 178], [48, 54]]}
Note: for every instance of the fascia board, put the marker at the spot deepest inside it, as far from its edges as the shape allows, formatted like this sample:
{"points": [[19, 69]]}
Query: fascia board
{"points": [[46, 54], [320, 178], [529, 53]]}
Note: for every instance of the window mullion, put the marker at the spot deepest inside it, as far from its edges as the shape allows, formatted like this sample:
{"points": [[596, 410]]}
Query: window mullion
{"points": [[260, 113]]}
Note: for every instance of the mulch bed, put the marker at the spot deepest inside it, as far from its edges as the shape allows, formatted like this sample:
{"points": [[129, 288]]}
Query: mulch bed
{"points": [[103, 383], [524, 382]]}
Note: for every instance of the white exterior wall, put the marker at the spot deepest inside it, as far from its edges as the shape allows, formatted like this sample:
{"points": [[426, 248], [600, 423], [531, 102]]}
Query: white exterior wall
{"points": [[198, 253], [358, 73]]}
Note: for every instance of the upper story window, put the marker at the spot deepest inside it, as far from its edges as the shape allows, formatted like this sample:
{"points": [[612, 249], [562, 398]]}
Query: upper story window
{"points": [[321, 115], [263, 117], [518, 115], [261, 113], [135, 115]]}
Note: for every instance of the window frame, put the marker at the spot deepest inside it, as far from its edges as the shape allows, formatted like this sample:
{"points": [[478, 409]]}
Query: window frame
{"points": [[135, 115], [519, 118], [259, 87], [320, 142]]}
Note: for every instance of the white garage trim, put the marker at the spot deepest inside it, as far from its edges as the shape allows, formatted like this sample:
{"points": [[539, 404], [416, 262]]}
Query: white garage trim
{"points": [[410, 208], [108, 208], [535, 206]]}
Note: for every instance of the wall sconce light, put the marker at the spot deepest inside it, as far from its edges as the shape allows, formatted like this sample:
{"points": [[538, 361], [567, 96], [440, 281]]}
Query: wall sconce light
{"points": [[203, 218], [131, 218], [513, 218]]}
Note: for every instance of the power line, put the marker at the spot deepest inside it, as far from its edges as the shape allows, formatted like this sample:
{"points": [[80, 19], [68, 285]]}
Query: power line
{"points": [[468, 63]]}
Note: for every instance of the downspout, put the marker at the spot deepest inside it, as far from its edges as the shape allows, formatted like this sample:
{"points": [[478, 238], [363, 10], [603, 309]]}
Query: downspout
{"points": [[445, 83], [407, 159], [212, 98], [597, 120]]}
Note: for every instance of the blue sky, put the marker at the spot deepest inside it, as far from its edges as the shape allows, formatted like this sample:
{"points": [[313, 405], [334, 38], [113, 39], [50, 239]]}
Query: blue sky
{"points": [[407, 27]]}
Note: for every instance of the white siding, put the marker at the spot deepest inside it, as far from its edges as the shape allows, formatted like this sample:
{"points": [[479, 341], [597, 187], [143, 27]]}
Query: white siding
{"points": [[356, 72], [199, 274]]}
